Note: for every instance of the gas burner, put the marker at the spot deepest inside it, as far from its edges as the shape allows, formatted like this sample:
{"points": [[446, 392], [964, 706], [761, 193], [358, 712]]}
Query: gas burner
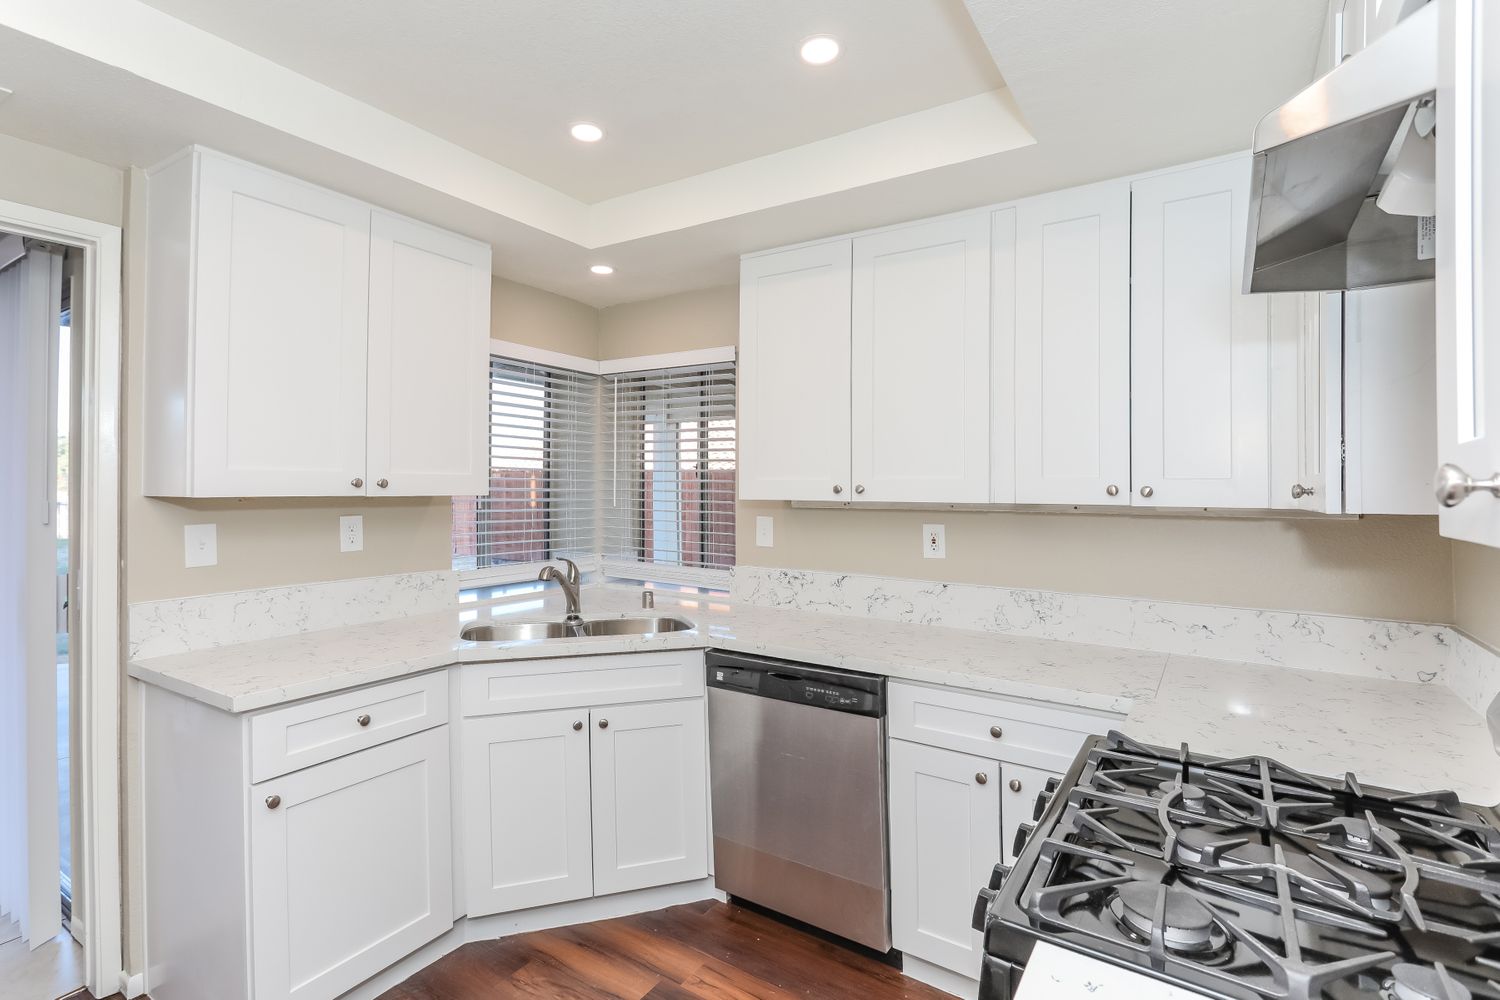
{"points": [[1194, 799], [1424, 982], [1186, 925]]}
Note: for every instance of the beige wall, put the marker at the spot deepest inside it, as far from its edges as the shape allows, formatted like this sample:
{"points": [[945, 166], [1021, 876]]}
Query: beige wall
{"points": [[709, 317], [48, 178], [526, 315], [1476, 591]]}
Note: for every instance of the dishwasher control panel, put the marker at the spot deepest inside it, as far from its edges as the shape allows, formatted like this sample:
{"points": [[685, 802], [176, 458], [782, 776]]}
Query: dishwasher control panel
{"points": [[819, 687]]}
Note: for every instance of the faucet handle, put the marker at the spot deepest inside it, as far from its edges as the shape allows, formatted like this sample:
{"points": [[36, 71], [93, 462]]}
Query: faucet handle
{"points": [[572, 571]]}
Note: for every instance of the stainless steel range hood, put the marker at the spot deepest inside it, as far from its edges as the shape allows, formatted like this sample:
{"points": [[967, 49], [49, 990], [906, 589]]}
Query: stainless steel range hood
{"points": [[1320, 159]]}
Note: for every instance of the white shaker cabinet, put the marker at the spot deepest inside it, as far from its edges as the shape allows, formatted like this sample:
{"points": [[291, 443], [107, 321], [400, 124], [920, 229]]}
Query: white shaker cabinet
{"points": [[257, 303], [1468, 259], [350, 867], [428, 426], [1199, 346], [945, 840], [794, 374], [1072, 374], [921, 363], [1306, 388], [303, 343], [527, 831], [650, 795]]}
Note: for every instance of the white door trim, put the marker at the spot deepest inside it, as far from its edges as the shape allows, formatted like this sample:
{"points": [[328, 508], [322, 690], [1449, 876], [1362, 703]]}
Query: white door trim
{"points": [[98, 627]]}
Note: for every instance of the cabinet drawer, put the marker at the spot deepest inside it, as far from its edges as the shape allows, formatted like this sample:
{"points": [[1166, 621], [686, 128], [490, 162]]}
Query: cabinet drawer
{"points": [[573, 681], [1030, 734], [310, 732]]}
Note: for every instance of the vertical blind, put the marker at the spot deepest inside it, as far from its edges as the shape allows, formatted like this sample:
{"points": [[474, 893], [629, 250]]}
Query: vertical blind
{"points": [[669, 508], [541, 501]]}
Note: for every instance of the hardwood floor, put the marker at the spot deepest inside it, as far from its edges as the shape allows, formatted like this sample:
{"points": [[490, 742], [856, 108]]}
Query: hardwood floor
{"points": [[698, 951]]}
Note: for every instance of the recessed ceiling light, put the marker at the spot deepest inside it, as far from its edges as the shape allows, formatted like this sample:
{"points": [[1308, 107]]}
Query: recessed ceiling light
{"points": [[820, 50], [587, 132], [602, 269]]}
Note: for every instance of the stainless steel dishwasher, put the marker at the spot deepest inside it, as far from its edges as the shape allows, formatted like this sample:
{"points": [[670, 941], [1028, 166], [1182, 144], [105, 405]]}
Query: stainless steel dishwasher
{"points": [[797, 767]]}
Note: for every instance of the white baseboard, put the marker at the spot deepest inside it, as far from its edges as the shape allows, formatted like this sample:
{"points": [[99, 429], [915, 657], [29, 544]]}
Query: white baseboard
{"points": [[487, 928], [935, 975], [134, 986]]}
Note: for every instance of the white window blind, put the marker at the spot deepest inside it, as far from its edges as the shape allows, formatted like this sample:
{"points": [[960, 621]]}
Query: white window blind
{"points": [[669, 509], [542, 472]]}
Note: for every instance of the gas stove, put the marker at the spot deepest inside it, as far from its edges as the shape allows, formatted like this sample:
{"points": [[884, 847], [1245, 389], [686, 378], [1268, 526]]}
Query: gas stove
{"points": [[1244, 878]]}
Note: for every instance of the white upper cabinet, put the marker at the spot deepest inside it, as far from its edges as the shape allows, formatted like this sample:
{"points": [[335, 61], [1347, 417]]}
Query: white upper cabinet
{"points": [[794, 374], [1468, 260], [1306, 420], [1072, 374], [1003, 355], [428, 375], [921, 362], [1199, 346], [288, 354]]}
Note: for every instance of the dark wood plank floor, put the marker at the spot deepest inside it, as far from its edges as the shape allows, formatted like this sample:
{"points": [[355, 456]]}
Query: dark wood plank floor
{"points": [[698, 951]]}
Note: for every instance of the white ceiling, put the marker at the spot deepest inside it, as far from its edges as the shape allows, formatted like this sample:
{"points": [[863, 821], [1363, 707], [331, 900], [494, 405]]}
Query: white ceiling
{"points": [[679, 87], [1094, 90]]}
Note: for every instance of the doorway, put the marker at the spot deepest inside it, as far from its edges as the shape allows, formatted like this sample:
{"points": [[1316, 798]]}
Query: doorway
{"points": [[60, 365]]}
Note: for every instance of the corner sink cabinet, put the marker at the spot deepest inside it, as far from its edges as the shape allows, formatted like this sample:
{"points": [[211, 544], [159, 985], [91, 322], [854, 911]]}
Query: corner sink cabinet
{"points": [[296, 852]]}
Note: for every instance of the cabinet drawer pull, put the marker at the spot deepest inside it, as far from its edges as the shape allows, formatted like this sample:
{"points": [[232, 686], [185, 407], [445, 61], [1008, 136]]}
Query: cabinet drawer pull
{"points": [[1015, 784], [982, 778], [603, 723], [996, 732], [577, 727], [363, 720], [273, 801]]}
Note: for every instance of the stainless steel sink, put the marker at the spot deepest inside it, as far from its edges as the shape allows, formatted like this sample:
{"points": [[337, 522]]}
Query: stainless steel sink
{"points": [[594, 628]]}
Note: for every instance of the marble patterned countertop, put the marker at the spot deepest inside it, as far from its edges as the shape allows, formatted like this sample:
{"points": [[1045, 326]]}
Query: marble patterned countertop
{"points": [[1397, 734]]}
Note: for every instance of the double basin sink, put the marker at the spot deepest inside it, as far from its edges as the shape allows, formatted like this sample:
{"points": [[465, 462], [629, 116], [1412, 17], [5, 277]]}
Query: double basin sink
{"points": [[596, 628]]}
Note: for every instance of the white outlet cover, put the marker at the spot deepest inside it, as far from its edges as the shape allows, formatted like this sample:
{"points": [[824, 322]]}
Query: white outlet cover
{"points": [[765, 531], [200, 545], [351, 533], [934, 545]]}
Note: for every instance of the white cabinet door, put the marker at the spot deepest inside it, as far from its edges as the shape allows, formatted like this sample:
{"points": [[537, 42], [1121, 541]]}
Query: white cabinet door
{"points": [[281, 300], [945, 841], [1073, 346], [350, 867], [1021, 785], [650, 780], [1199, 346], [1307, 401], [1003, 356], [794, 374], [526, 810], [428, 364], [921, 363], [1468, 259]]}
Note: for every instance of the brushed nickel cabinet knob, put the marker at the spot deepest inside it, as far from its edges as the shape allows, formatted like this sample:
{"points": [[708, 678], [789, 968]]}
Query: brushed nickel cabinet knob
{"points": [[357, 483], [1299, 491], [1454, 485], [1112, 490], [603, 723], [382, 483], [837, 488], [996, 732], [363, 720], [273, 801], [1147, 492], [1015, 784], [577, 727], [982, 778], [858, 488]]}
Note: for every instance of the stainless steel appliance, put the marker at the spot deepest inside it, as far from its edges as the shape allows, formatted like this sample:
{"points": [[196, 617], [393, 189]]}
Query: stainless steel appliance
{"points": [[797, 766], [1247, 879]]}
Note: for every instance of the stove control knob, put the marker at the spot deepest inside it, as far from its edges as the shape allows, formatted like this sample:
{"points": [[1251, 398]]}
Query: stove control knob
{"points": [[982, 907], [1052, 784], [997, 877], [1042, 799], [1023, 834]]}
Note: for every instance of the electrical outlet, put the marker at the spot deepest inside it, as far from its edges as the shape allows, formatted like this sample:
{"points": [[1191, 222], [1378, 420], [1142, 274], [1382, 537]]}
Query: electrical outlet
{"points": [[764, 531], [200, 545], [351, 533], [933, 544]]}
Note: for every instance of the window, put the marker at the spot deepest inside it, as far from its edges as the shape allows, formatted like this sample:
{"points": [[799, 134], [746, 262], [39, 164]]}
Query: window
{"points": [[669, 508], [542, 472]]}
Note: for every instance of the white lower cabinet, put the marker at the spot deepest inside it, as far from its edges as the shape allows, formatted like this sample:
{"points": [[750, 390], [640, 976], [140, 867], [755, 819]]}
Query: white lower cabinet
{"points": [[945, 840], [525, 802], [650, 795], [350, 867], [567, 804]]}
